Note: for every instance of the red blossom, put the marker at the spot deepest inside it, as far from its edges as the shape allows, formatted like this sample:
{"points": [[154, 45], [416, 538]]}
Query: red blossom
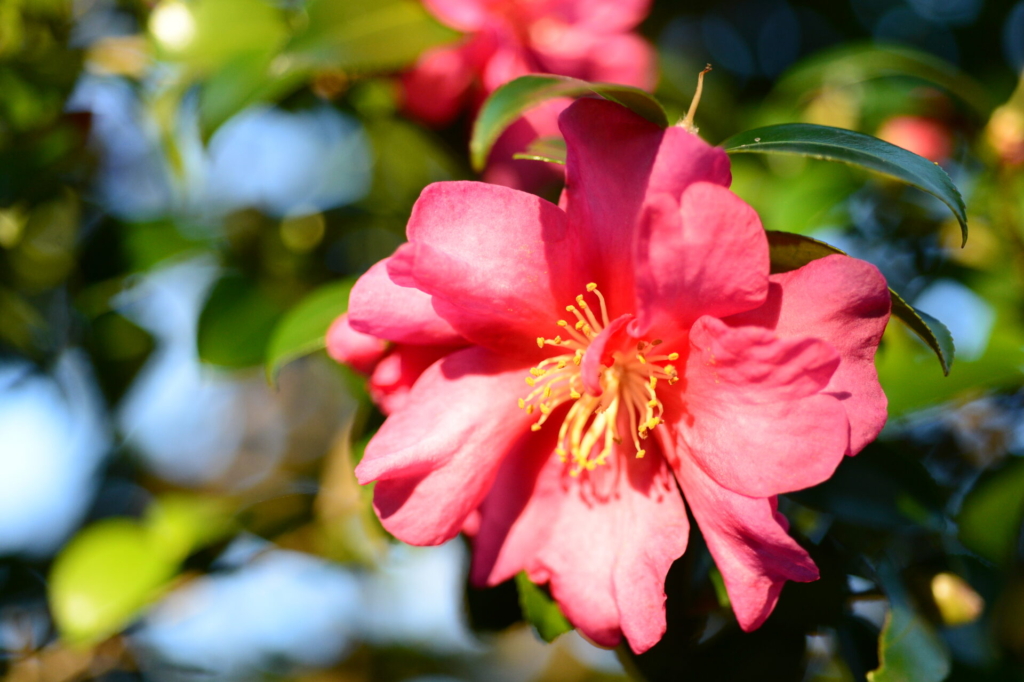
{"points": [[604, 360]]}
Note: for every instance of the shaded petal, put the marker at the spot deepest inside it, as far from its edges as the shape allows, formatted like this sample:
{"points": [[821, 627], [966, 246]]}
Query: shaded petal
{"points": [[706, 255], [845, 302], [434, 459], [516, 516], [379, 307], [395, 374], [610, 16], [748, 541], [463, 15], [489, 256], [619, 529], [615, 161], [754, 416], [359, 351]]}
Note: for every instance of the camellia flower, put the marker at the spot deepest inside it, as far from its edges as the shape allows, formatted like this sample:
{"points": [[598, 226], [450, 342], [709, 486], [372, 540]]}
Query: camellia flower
{"points": [[505, 39], [924, 136], [609, 358]]}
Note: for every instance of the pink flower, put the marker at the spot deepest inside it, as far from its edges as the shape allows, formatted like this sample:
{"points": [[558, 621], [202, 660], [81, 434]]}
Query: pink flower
{"points": [[614, 351], [924, 136], [588, 39]]}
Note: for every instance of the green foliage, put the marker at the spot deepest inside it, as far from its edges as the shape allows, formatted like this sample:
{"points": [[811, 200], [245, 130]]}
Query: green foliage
{"points": [[992, 515], [508, 103], [855, 149], [302, 330], [540, 610], [236, 323]]}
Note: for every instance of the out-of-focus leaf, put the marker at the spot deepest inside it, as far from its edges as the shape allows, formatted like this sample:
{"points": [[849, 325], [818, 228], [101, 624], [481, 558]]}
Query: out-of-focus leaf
{"points": [[550, 149], [792, 251], [103, 577], [303, 329], [365, 35], [909, 650], [855, 149], [236, 323], [208, 34], [540, 610], [853, 64], [112, 569], [992, 513], [511, 100], [244, 80]]}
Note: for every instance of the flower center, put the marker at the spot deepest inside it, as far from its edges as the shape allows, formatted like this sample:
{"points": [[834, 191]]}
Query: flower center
{"points": [[624, 395]]}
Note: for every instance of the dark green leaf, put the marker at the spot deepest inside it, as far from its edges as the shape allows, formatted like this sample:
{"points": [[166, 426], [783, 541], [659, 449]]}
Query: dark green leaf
{"points": [[540, 610], [550, 149], [992, 513], [236, 323], [855, 149], [791, 251], [511, 100], [303, 329]]}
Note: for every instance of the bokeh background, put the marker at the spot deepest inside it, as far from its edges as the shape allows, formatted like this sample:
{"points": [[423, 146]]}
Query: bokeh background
{"points": [[180, 179]]}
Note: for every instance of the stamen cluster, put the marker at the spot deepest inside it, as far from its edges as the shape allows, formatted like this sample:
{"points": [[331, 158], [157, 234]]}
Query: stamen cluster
{"points": [[628, 398]]}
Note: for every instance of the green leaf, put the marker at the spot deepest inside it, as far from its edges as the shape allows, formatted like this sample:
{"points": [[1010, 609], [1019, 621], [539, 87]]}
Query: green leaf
{"points": [[992, 513], [855, 149], [791, 251], [550, 149], [236, 323], [909, 650], [851, 65], [511, 100], [244, 80], [303, 329], [540, 610], [366, 35]]}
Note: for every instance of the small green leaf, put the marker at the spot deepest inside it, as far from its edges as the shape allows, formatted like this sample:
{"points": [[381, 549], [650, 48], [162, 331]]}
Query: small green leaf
{"points": [[104, 577], [303, 329], [550, 149], [366, 35], [992, 513], [791, 251], [855, 149], [909, 650], [236, 323], [511, 100], [540, 610]]}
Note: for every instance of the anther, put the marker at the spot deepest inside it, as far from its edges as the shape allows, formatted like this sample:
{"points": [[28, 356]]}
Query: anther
{"points": [[574, 394], [522, 403], [540, 342], [640, 454], [673, 356], [535, 427], [591, 286], [530, 381], [641, 358]]}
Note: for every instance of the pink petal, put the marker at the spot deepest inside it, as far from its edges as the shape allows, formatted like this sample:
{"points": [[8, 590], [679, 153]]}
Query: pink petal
{"points": [[436, 88], [360, 351], [754, 416], [490, 257], [463, 15], [616, 161], [845, 302], [600, 352], [748, 541], [508, 62], [610, 16], [435, 459], [516, 515], [707, 255], [379, 307], [394, 375], [619, 530]]}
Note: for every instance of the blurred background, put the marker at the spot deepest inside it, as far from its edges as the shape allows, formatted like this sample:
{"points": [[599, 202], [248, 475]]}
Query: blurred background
{"points": [[188, 189]]}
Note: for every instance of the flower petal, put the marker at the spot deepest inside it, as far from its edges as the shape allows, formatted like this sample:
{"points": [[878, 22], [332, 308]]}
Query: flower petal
{"points": [[490, 257], [379, 307], [463, 15], [434, 459], [754, 416], [708, 255], [437, 87], [516, 515], [620, 528], [844, 301], [359, 351], [395, 374], [748, 541], [615, 161]]}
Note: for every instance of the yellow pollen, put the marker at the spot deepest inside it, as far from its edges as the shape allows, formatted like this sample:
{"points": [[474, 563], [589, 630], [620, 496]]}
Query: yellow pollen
{"points": [[535, 427], [580, 302], [575, 395], [538, 372], [592, 286], [673, 356], [640, 454], [540, 342], [522, 403], [531, 381], [547, 391], [563, 323], [641, 358]]}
